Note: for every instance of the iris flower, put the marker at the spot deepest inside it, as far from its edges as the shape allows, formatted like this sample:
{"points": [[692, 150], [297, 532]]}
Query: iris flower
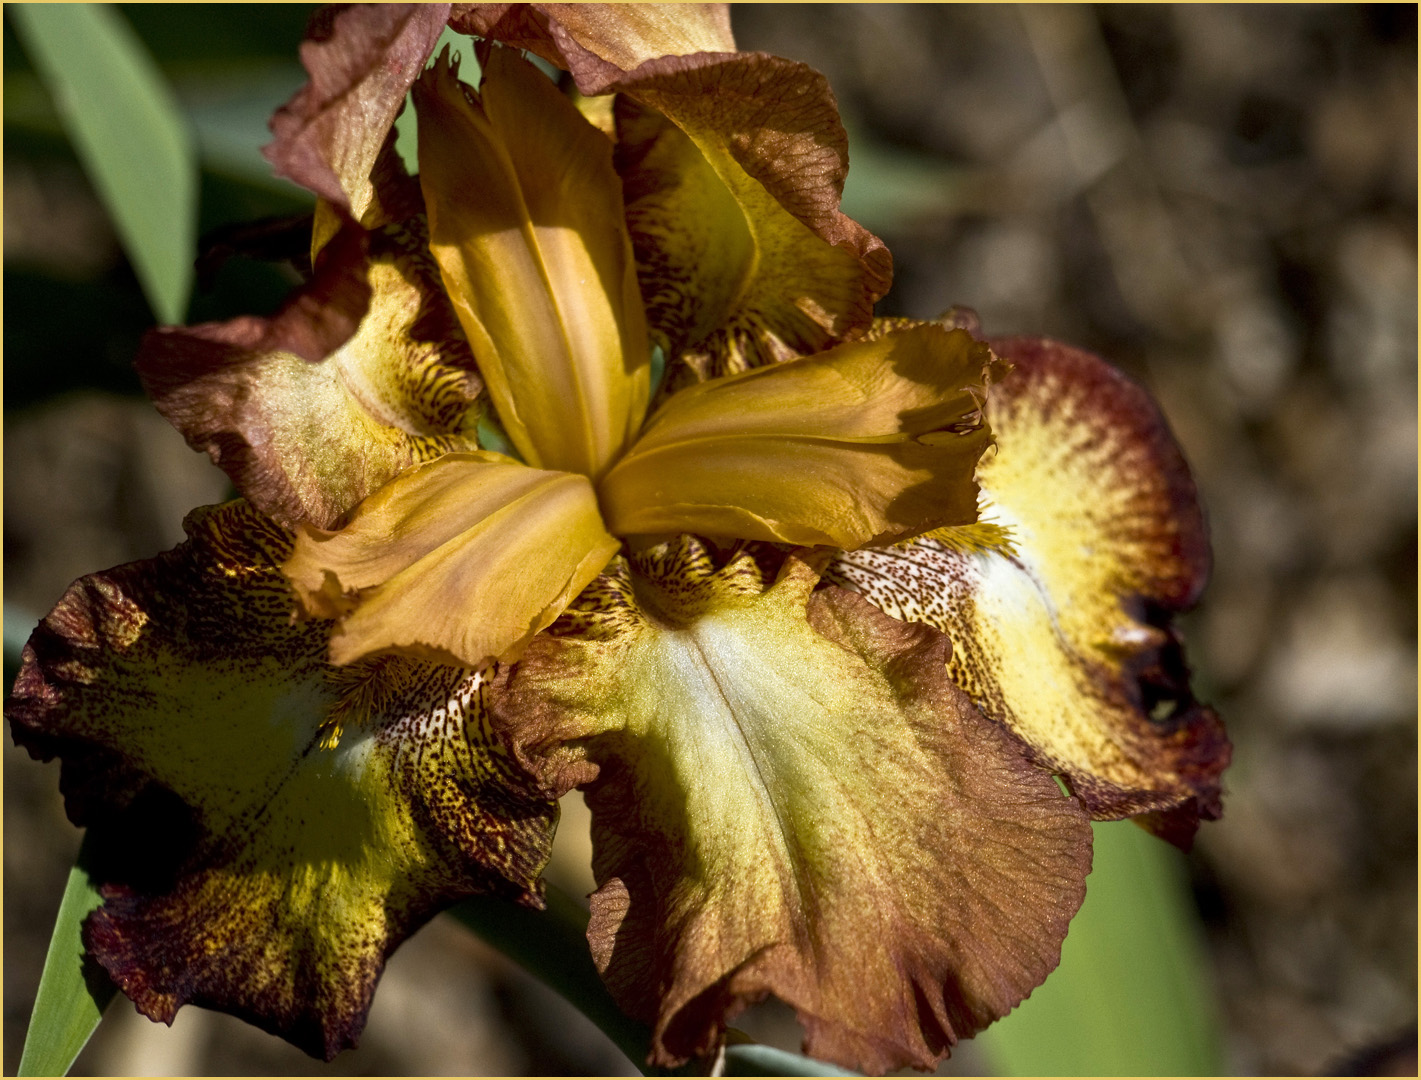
{"points": [[817, 622]]}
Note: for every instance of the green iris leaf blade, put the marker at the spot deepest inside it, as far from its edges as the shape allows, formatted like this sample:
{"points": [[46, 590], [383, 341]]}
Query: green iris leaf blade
{"points": [[1132, 996], [72, 995], [129, 134]]}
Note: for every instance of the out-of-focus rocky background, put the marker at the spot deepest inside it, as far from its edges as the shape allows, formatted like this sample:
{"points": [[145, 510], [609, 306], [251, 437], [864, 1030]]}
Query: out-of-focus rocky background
{"points": [[1222, 200]]}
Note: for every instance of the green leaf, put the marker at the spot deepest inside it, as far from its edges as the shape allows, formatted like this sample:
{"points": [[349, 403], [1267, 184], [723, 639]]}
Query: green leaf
{"points": [[72, 995], [128, 132], [1132, 996]]}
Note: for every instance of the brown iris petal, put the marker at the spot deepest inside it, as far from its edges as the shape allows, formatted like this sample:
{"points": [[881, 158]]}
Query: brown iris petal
{"points": [[267, 828], [598, 42], [362, 59], [1064, 635], [363, 372], [790, 797]]}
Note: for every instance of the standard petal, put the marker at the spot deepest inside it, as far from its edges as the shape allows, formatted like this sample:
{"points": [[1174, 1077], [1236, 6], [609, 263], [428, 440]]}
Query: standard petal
{"points": [[844, 831], [363, 372], [1065, 636], [462, 560], [870, 442], [598, 42], [526, 222], [267, 828], [362, 59]]}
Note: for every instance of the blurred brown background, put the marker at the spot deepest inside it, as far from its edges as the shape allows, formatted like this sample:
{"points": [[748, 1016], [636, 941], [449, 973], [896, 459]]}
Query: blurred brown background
{"points": [[1222, 200]]}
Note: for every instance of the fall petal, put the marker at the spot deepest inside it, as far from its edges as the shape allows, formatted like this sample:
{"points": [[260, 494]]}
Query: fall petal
{"points": [[1063, 634], [363, 372], [844, 831], [362, 59], [462, 560], [267, 828], [525, 218], [869, 442]]}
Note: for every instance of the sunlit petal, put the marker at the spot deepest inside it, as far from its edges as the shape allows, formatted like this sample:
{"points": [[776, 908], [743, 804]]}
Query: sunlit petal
{"points": [[266, 828], [525, 217], [461, 560], [870, 442], [792, 798], [1065, 637]]}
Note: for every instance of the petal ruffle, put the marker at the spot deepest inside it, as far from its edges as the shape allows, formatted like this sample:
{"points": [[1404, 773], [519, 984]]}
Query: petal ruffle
{"points": [[867, 443], [598, 42], [765, 126], [1065, 637], [845, 832], [267, 828], [362, 59], [526, 223], [461, 560], [363, 372]]}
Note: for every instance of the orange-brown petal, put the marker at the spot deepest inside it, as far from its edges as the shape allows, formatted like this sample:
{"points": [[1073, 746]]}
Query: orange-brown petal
{"points": [[363, 372], [843, 831], [266, 828], [1063, 634], [867, 443], [526, 223], [362, 59], [462, 560]]}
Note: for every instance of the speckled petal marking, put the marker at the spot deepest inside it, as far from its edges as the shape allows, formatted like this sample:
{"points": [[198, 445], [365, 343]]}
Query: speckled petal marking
{"points": [[268, 828], [1064, 633], [308, 430], [790, 797]]}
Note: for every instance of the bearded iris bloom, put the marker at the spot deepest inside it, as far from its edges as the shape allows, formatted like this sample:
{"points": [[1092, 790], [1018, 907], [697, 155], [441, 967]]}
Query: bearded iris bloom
{"points": [[814, 623]]}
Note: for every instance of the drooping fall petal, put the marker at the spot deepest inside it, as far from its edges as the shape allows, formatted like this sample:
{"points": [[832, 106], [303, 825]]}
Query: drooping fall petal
{"points": [[526, 222], [790, 797], [598, 42], [870, 442], [1065, 636], [267, 828], [363, 372], [362, 59], [462, 560]]}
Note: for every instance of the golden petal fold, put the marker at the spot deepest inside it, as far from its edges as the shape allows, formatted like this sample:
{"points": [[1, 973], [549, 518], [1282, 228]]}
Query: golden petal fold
{"points": [[866, 443], [526, 223], [460, 560]]}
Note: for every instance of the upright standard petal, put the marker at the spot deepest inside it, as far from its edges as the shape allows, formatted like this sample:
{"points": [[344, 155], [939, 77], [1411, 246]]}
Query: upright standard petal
{"points": [[845, 832], [362, 59], [867, 443], [461, 560], [597, 42], [1064, 635], [526, 222], [732, 279], [267, 828], [363, 372]]}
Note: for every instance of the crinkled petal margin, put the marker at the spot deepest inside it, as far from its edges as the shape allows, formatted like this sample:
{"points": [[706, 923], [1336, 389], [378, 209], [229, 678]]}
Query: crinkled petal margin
{"points": [[1065, 634], [790, 797], [362, 59], [362, 372], [268, 829]]}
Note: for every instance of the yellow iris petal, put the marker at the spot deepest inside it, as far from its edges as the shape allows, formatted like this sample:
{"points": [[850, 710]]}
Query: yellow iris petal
{"points": [[462, 560], [526, 223], [871, 442]]}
